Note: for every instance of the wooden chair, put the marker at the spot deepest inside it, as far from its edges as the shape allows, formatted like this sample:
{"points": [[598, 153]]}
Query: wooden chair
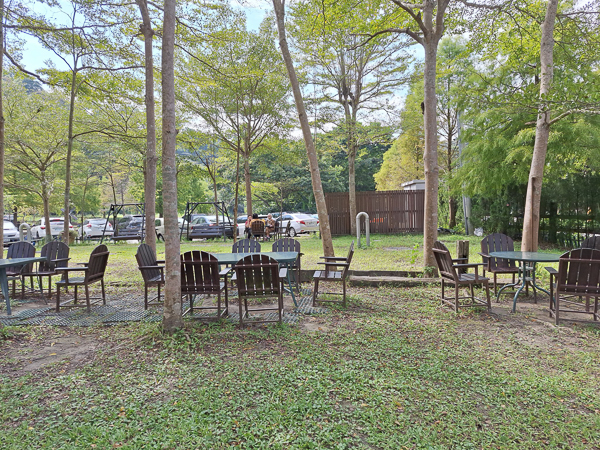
{"points": [[591, 242], [290, 245], [200, 275], [449, 272], [152, 272], [20, 249], [578, 276], [259, 276], [93, 273], [332, 274], [498, 242], [58, 256], [246, 246], [258, 229]]}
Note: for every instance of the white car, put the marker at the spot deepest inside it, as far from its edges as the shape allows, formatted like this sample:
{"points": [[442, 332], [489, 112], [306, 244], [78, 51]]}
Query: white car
{"points": [[38, 231], [94, 228], [11, 233], [159, 224], [299, 223]]}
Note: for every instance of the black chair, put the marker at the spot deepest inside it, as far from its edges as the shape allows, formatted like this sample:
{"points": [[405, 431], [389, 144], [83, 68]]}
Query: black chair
{"points": [[246, 246], [332, 274], [152, 272], [200, 275], [258, 229], [20, 249], [591, 242], [498, 242], [290, 245], [58, 257]]}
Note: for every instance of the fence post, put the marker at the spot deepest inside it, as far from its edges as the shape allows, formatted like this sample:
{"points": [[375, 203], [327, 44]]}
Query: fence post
{"points": [[367, 228]]}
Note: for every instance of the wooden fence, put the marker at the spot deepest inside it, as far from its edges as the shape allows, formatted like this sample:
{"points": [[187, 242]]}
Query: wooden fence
{"points": [[389, 212]]}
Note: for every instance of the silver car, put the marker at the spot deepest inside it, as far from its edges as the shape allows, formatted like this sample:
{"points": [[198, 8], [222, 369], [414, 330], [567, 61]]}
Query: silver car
{"points": [[94, 228], [11, 233]]}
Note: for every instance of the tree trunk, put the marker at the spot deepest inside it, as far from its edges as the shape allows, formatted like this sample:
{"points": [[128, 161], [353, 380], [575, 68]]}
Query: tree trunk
{"points": [[248, 184], [237, 194], [67, 216], [430, 155], [352, 172], [46, 207], [531, 220], [452, 204], [1, 125], [151, 158], [172, 308], [279, 7]]}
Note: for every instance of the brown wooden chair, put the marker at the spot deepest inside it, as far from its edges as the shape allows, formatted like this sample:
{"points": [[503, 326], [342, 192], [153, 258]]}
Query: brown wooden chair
{"points": [[591, 242], [449, 272], [259, 276], [498, 242], [20, 249], [258, 229], [332, 274], [245, 246], [578, 276], [93, 273], [200, 275], [290, 245], [58, 256], [152, 272]]}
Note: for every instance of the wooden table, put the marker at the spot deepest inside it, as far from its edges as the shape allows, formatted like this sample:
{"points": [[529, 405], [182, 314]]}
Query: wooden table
{"points": [[283, 258], [4, 264], [527, 262]]}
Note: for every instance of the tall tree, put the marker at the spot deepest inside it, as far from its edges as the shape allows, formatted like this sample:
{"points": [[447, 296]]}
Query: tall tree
{"points": [[172, 318], [279, 7], [1, 124]]}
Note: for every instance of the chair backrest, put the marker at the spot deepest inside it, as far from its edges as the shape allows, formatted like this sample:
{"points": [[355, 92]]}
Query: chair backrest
{"points": [[258, 227], [54, 250], [497, 242], [246, 246], [97, 264], [257, 276], [348, 260], [286, 245], [444, 261], [591, 242], [579, 272], [199, 273], [20, 249], [146, 257]]}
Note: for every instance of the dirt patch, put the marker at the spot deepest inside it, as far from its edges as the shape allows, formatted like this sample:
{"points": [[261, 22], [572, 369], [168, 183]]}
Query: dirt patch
{"points": [[75, 349]]}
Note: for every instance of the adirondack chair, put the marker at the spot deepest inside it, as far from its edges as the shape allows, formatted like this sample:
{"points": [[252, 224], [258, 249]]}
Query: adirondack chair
{"points": [[152, 272], [20, 250], [258, 229], [58, 256], [246, 246], [290, 245], [332, 274], [498, 242], [449, 272], [259, 276], [578, 276], [591, 242], [93, 272], [200, 275]]}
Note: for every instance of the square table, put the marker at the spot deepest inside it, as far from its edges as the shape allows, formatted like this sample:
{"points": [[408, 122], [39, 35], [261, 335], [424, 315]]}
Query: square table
{"points": [[283, 258], [4, 263], [527, 262]]}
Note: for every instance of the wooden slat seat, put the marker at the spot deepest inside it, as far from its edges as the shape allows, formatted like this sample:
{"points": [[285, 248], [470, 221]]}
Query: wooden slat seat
{"points": [[152, 272], [332, 274], [449, 274], [200, 275], [498, 242], [93, 273]]}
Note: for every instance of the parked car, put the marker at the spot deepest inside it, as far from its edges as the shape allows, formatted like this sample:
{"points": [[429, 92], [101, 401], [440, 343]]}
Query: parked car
{"points": [[10, 232], [299, 223], [206, 227], [159, 224], [94, 228], [129, 225], [38, 231]]}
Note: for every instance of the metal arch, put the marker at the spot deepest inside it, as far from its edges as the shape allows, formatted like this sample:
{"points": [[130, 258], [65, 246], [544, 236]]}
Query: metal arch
{"points": [[367, 228]]}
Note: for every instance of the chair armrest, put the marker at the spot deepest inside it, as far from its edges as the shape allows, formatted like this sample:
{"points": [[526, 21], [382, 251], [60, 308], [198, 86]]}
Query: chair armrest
{"points": [[71, 269], [150, 267], [334, 264], [60, 260], [335, 258], [160, 261], [485, 255], [551, 270], [469, 265], [225, 271]]}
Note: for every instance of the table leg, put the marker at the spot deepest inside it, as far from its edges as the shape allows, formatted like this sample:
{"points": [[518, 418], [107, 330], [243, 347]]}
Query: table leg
{"points": [[536, 286], [289, 279], [508, 285], [4, 286], [523, 279]]}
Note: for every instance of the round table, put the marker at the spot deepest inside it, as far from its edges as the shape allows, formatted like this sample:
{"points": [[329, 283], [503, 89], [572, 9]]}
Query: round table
{"points": [[527, 262]]}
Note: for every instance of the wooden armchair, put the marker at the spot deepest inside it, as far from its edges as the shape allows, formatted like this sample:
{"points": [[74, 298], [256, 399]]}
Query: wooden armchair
{"points": [[58, 257], [331, 274], [259, 276], [591, 242], [152, 271], [578, 276], [93, 272], [20, 249], [290, 245], [498, 242], [449, 272], [258, 229], [200, 276], [246, 246]]}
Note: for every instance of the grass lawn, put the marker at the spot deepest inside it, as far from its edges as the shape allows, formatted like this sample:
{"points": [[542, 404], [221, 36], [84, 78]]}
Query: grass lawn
{"points": [[393, 370]]}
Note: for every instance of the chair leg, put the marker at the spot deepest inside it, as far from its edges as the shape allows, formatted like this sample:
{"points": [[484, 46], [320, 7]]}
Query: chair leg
{"points": [[103, 291], [344, 292], [280, 305], [145, 296], [23, 287], [443, 288], [472, 294], [57, 298], [556, 309], [87, 298], [315, 291], [456, 292], [241, 313], [158, 298], [219, 305], [226, 299], [487, 294], [496, 287], [75, 301]]}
